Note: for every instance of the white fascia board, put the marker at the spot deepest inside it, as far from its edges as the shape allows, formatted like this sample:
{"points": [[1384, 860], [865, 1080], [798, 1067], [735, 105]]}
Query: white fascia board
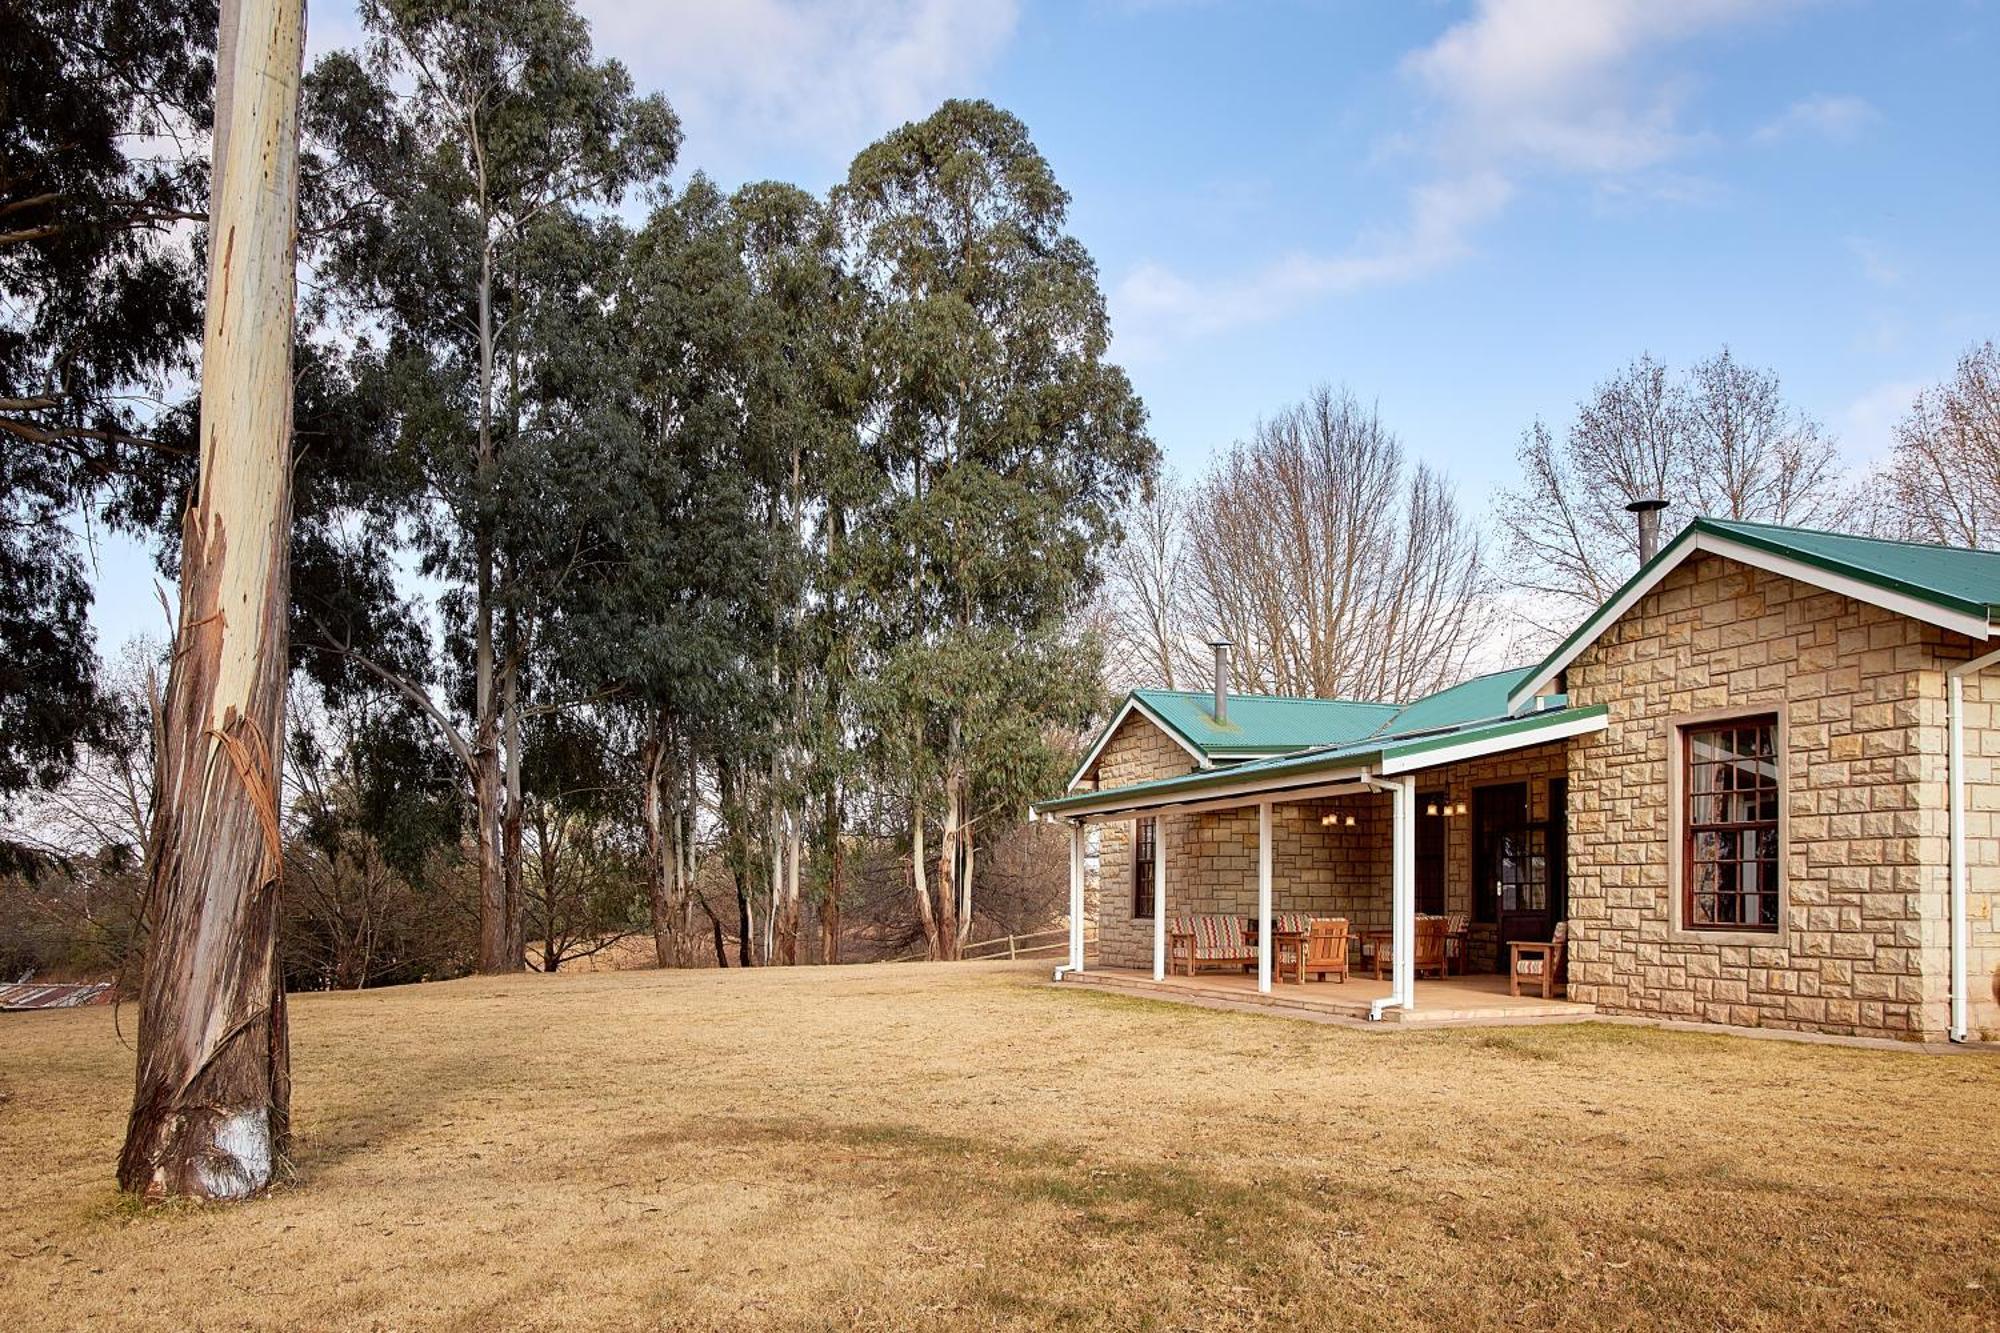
{"points": [[1711, 543], [1133, 704], [1200, 802], [1480, 747]]}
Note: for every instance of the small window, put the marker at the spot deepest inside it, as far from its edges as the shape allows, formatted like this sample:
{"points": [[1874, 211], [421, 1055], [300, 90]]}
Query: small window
{"points": [[1145, 852], [1730, 824]]}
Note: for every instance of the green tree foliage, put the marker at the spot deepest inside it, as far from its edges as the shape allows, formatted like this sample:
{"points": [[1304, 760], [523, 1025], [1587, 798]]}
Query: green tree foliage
{"points": [[1003, 442], [104, 111], [470, 159]]}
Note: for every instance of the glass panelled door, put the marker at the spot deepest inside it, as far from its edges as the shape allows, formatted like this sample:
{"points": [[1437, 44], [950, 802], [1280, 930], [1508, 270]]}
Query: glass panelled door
{"points": [[1518, 864]]}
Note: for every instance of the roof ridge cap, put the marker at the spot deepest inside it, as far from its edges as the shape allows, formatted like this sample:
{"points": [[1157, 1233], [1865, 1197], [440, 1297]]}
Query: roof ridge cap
{"points": [[1726, 523]]}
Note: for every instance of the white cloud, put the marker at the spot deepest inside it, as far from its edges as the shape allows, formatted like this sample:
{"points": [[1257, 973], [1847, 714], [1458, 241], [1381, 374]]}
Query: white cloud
{"points": [[1822, 116], [1552, 82], [1867, 426], [1878, 264], [1521, 87], [819, 77], [1153, 303]]}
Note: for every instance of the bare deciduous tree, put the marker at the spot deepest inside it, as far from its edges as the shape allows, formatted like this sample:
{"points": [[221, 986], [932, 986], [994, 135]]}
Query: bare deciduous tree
{"points": [[1718, 441], [1944, 475], [1142, 609], [1337, 570]]}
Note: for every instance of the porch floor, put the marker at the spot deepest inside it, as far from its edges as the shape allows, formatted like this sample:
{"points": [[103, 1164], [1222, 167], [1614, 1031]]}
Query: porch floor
{"points": [[1450, 1000]]}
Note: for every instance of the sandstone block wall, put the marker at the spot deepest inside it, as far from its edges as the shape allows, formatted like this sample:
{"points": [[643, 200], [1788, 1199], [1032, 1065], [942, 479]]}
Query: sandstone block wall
{"points": [[1859, 695]]}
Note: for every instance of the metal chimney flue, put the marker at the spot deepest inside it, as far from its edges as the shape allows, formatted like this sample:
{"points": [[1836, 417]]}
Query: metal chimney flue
{"points": [[1221, 647], [1648, 511]]}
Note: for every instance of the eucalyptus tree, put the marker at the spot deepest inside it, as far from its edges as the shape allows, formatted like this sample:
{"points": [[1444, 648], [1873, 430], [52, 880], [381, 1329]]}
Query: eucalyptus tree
{"points": [[105, 108], [804, 380], [684, 634], [211, 1104], [471, 153], [1003, 441]]}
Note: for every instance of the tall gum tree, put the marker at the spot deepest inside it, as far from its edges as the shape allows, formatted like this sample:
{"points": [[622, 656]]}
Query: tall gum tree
{"points": [[1004, 442], [103, 163], [468, 150], [211, 1110]]}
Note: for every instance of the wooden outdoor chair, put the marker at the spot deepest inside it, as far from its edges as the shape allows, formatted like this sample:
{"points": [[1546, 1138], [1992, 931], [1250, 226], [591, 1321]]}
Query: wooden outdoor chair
{"points": [[1457, 935], [1288, 931], [1538, 962], [1326, 949], [1428, 955], [1207, 941]]}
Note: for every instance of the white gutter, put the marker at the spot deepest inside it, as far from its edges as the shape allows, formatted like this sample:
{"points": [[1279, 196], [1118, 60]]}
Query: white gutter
{"points": [[1961, 929]]}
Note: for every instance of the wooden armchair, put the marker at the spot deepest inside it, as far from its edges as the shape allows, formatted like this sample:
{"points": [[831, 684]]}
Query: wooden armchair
{"points": [[1538, 962], [1457, 935], [1326, 949], [1428, 955]]}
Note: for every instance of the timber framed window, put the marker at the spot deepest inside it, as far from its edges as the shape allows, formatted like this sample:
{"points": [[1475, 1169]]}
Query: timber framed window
{"points": [[1730, 794], [1145, 852]]}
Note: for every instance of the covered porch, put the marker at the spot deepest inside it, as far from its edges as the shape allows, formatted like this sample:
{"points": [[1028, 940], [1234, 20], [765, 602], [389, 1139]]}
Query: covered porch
{"points": [[1481, 997], [1464, 829]]}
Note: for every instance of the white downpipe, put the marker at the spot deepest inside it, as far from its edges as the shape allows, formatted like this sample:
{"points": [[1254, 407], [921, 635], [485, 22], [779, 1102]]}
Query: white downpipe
{"points": [[1264, 897], [1402, 896], [1075, 963], [1961, 926], [1159, 897]]}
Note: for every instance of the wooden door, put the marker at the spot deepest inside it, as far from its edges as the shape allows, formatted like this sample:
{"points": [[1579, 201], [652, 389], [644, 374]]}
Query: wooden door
{"points": [[1511, 859]]}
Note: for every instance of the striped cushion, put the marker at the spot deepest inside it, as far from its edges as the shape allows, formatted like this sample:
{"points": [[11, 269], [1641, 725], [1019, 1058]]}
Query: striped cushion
{"points": [[1217, 937], [1530, 967]]}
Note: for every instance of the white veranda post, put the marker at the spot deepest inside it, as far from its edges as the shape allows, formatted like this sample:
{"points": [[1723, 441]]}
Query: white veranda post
{"points": [[1403, 893], [1264, 896], [1159, 898], [1076, 897]]}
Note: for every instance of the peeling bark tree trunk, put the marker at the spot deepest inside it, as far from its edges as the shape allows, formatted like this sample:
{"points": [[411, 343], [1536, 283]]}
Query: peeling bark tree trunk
{"points": [[211, 1109], [510, 822], [920, 878], [968, 846], [946, 931], [794, 853], [836, 873], [662, 857]]}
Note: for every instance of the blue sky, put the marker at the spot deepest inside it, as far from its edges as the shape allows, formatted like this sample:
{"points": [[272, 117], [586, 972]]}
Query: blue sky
{"points": [[1468, 213]]}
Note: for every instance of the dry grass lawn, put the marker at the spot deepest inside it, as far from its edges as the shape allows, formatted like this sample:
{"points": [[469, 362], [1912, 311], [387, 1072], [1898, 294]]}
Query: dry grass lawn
{"points": [[892, 1147]]}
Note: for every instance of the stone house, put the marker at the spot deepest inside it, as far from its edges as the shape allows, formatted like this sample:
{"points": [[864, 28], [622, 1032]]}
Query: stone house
{"points": [[1756, 787]]}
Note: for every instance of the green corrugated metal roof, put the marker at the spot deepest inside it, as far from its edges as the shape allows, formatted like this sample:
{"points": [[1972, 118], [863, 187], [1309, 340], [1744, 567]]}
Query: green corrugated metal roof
{"points": [[1954, 577], [1371, 753], [1481, 697], [1264, 723]]}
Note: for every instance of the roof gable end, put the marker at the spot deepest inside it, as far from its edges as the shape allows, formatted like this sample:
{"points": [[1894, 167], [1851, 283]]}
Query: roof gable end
{"points": [[1954, 588]]}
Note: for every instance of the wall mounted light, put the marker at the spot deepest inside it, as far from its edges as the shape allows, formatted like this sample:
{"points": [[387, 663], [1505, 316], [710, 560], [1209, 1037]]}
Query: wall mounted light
{"points": [[1432, 808]]}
